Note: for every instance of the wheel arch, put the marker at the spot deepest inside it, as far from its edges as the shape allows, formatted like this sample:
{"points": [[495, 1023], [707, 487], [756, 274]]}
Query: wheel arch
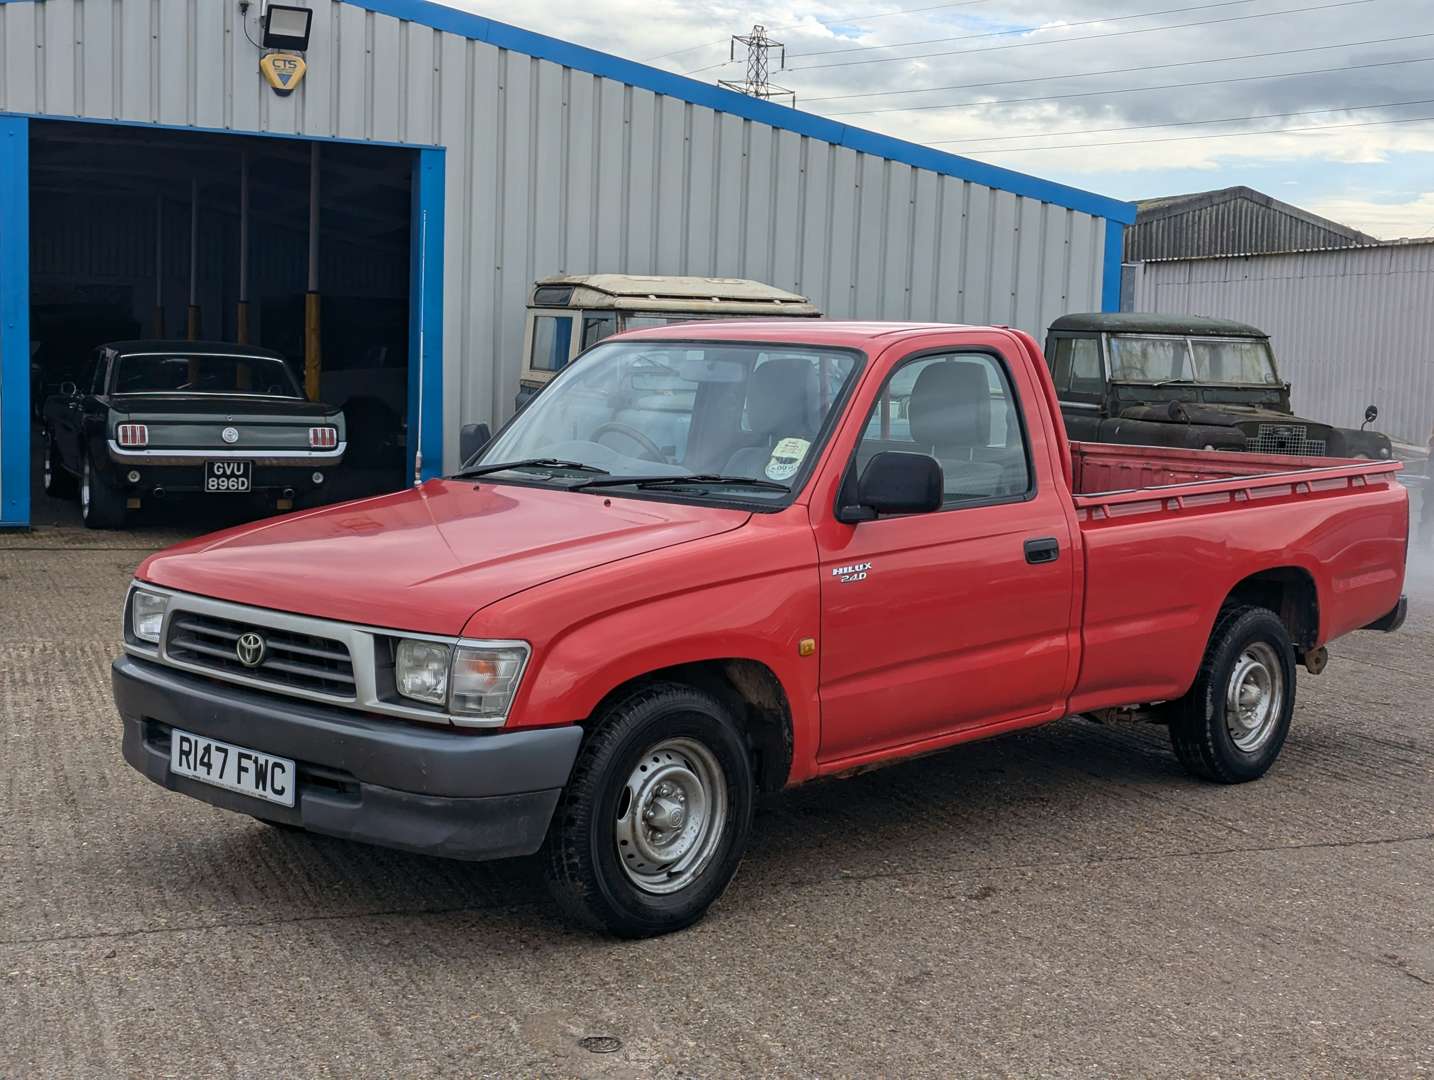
{"points": [[750, 689], [1291, 593]]}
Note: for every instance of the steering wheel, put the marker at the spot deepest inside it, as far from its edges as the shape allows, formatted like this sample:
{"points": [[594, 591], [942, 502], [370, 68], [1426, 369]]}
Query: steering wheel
{"points": [[651, 451]]}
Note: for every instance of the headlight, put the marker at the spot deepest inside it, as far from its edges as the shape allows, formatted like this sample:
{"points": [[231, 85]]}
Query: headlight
{"points": [[146, 615], [420, 671], [485, 678]]}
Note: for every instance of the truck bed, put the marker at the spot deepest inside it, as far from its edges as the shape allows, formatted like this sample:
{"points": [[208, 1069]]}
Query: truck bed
{"points": [[1167, 534]]}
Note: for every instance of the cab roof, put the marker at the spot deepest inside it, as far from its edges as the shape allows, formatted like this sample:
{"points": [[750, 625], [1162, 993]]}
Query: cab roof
{"points": [[696, 288], [697, 295], [1152, 322]]}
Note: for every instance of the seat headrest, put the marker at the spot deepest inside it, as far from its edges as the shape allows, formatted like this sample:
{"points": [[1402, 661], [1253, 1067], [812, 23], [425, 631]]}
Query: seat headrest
{"points": [[951, 405], [782, 397]]}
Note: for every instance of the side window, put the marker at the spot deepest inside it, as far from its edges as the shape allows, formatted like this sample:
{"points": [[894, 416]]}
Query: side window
{"points": [[552, 342], [596, 326], [1086, 378], [961, 410], [1060, 364], [99, 371]]}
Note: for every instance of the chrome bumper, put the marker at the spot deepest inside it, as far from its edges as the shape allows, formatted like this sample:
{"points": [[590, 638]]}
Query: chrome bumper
{"points": [[259, 456]]}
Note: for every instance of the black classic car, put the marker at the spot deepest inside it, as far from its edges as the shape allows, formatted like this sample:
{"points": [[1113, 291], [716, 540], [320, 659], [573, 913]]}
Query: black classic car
{"points": [[155, 418], [1186, 381]]}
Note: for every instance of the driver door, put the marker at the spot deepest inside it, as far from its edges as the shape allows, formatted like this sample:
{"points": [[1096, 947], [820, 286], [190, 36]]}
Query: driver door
{"points": [[957, 619]]}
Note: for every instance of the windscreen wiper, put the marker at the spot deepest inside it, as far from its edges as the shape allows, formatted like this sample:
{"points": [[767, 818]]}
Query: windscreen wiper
{"points": [[538, 462], [669, 480]]}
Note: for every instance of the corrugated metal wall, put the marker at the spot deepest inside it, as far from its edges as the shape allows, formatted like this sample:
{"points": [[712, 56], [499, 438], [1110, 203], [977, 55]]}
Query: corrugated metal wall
{"points": [[1349, 327], [554, 170]]}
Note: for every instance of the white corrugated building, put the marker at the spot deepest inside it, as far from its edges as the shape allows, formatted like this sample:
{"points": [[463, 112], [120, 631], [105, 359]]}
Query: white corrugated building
{"points": [[462, 158], [1350, 326]]}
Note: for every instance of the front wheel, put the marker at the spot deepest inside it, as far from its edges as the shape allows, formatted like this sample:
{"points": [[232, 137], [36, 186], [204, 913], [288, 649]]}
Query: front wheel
{"points": [[1232, 724], [58, 483], [655, 818]]}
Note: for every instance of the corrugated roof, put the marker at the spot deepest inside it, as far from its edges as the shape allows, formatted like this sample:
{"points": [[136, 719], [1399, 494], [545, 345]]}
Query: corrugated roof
{"points": [[1227, 220]]}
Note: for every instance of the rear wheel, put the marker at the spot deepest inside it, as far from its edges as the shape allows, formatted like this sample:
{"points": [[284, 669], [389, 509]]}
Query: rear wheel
{"points": [[101, 504], [1232, 724], [59, 484], [655, 818]]}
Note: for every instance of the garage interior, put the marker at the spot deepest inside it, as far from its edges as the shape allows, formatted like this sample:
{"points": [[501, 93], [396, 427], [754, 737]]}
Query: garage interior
{"points": [[138, 233]]}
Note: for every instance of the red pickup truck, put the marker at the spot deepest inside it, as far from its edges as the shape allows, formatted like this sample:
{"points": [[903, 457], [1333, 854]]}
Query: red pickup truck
{"points": [[714, 560]]}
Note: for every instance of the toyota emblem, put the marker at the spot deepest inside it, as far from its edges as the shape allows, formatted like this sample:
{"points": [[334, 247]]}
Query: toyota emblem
{"points": [[250, 649], [230, 435]]}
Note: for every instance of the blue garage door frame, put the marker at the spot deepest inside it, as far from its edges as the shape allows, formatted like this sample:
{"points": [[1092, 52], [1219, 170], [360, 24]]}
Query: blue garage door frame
{"points": [[14, 321], [425, 314]]}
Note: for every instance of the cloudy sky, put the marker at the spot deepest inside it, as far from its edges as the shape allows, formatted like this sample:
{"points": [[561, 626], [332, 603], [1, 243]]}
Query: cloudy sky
{"points": [[1328, 104]]}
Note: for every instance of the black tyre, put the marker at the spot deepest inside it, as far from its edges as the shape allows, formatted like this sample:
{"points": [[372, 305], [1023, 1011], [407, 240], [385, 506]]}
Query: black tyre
{"points": [[655, 818], [58, 483], [1232, 724], [101, 504]]}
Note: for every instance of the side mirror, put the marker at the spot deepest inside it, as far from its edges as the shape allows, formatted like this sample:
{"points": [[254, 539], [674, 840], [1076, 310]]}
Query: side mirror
{"points": [[472, 438], [69, 389], [1371, 414], [895, 482]]}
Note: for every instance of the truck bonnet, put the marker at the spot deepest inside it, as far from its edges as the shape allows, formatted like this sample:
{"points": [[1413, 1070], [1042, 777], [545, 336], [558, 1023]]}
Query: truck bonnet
{"points": [[426, 559]]}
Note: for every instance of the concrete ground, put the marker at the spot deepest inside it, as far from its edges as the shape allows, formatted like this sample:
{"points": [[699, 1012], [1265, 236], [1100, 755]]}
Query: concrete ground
{"points": [[1064, 902]]}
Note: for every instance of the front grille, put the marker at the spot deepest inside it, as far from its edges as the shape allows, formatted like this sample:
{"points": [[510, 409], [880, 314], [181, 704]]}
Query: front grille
{"points": [[290, 660], [1284, 439]]}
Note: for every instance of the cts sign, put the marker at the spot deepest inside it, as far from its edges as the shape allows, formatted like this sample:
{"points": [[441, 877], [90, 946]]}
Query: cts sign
{"points": [[283, 71]]}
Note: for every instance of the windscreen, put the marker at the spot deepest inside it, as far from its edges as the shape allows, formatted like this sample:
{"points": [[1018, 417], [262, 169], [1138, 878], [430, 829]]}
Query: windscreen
{"points": [[1149, 359], [1241, 362], [660, 409], [1153, 359], [202, 373]]}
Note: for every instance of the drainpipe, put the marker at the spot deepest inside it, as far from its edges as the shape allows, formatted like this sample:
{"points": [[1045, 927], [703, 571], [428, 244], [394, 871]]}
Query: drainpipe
{"points": [[241, 315], [194, 259], [312, 359]]}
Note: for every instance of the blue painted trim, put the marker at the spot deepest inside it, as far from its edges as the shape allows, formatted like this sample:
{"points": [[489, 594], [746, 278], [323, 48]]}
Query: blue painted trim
{"points": [[425, 312], [14, 322], [291, 136], [1110, 266], [504, 36]]}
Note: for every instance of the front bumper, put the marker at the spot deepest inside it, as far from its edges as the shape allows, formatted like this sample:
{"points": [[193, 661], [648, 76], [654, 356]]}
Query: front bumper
{"points": [[434, 791]]}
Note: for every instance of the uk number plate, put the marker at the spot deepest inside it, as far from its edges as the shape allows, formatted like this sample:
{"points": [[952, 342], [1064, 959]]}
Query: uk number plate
{"points": [[232, 476], [222, 764]]}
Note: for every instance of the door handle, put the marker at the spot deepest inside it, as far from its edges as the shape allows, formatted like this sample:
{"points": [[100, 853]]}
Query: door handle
{"points": [[1044, 550]]}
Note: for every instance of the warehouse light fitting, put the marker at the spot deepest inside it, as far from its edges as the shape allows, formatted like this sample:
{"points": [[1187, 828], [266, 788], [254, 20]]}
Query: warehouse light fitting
{"points": [[287, 27]]}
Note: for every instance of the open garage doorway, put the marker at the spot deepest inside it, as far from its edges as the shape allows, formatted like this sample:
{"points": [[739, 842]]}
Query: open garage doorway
{"points": [[135, 233]]}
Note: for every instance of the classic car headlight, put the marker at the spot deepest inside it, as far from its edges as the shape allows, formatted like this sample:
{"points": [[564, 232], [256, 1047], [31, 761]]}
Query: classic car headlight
{"points": [[420, 670], [146, 614], [485, 678]]}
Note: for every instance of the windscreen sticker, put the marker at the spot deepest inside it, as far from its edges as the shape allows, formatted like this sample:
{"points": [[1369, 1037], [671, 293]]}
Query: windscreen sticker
{"points": [[786, 458]]}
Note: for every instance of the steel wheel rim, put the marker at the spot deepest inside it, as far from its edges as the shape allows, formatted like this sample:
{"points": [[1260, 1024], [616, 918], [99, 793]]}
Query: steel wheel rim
{"points": [[49, 466], [1254, 697], [85, 489], [671, 816]]}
